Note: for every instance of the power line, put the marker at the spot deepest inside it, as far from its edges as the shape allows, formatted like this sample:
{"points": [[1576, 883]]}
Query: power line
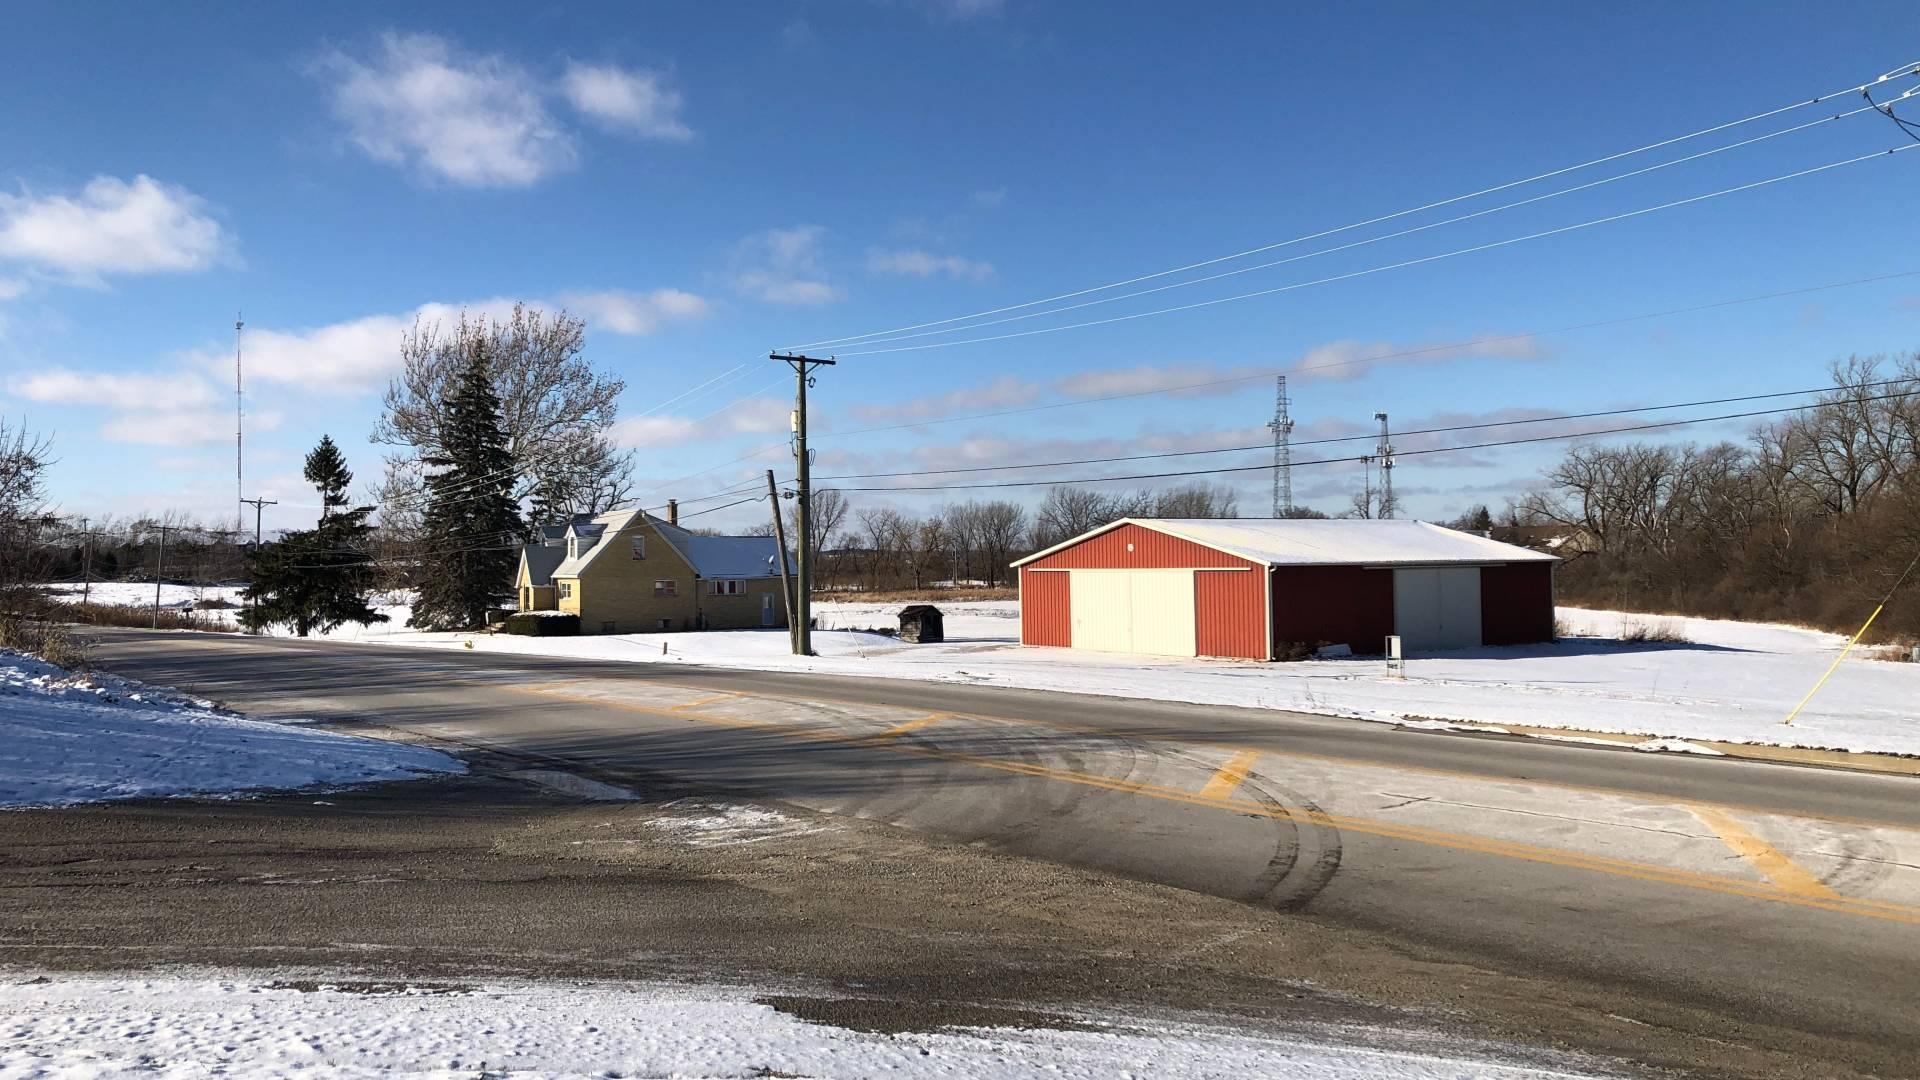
{"points": [[1399, 453], [1609, 219], [1375, 220], [1388, 236], [1561, 418], [1373, 358]]}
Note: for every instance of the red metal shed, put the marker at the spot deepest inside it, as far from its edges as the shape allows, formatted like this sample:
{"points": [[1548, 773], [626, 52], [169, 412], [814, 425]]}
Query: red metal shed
{"points": [[1241, 587]]}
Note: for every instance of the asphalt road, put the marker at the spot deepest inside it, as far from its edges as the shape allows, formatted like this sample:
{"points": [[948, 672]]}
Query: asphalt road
{"points": [[1761, 905]]}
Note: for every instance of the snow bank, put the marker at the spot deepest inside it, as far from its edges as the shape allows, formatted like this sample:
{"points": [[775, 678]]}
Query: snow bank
{"points": [[194, 1027], [71, 739]]}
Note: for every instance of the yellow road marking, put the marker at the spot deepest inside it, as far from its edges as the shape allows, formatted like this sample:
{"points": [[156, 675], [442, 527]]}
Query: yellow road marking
{"points": [[1229, 775], [1765, 858], [1768, 891], [914, 725], [705, 701]]}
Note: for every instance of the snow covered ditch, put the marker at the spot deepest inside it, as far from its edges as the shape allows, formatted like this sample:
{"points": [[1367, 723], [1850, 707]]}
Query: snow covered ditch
{"points": [[67, 738], [219, 1026]]}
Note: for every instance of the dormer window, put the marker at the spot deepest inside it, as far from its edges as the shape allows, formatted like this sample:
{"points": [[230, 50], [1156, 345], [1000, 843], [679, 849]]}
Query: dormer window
{"points": [[639, 547], [573, 547]]}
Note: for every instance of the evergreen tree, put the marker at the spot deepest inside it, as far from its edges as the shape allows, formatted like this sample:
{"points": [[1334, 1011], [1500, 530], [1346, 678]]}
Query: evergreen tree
{"points": [[316, 579], [471, 521]]}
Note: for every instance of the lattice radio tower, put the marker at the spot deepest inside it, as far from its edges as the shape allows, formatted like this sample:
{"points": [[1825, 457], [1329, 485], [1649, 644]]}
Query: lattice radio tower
{"points": [[1282, 428], [1384, 452]]}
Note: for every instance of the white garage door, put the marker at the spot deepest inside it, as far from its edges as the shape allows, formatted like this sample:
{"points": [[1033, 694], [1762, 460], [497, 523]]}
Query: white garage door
{"points": [[1143, 611], [1437, 608]]}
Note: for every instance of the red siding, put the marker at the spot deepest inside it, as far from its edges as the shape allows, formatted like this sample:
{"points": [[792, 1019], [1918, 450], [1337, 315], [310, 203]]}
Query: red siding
{"points": [[1230, 613], [1516, 603], [1151, 550], [1340, 605], [1046, 608]]}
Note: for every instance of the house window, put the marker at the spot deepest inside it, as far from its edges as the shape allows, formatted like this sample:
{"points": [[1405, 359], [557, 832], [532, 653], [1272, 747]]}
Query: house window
{"points": [[726, 587], [639, 547], [666, 587], [666, 624], [573, 548], [606, 626], [565, 589]]}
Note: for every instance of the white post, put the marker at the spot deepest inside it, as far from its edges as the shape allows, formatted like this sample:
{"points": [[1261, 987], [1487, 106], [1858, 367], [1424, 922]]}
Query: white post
{"points": [[1396, 660]]}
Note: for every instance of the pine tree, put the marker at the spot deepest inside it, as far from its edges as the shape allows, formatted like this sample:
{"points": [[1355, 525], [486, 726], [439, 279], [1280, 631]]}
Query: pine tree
{"points": [[316, 579], [471, 521]]}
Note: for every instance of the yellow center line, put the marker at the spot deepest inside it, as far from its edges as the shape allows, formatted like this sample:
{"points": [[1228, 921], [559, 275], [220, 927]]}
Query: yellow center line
{"points": [[1768, 891], [1229, 775], [1766, 858], [914, 725]]}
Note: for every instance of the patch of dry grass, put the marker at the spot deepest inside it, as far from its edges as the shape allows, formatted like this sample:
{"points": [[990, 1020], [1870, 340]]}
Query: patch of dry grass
{"points": [[1641, 631]]}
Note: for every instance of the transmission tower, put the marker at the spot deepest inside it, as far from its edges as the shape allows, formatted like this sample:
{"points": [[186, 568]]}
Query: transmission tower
{"points": [[1282, 428], [1384, 452]]}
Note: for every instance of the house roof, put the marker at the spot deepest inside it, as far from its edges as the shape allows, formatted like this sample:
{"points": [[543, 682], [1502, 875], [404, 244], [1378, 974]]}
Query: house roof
{"points": [[1334, 542], [541, 560], [710, 556]]}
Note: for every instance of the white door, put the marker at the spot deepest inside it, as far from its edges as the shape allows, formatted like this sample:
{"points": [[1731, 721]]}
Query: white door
{"points": [[1101, 605], [1163, 613], [1436, 608], [1143, 611]]}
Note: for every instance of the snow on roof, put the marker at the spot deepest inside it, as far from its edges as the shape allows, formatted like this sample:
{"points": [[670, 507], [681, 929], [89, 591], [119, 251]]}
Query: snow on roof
{"points": [[1336, 542]]}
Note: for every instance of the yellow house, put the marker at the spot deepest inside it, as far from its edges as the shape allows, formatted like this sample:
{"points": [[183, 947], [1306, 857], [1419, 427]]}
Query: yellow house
{"points": [[628, 572]]}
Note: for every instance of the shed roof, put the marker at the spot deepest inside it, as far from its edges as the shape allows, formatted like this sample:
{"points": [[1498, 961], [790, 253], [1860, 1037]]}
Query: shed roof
{"points": [[1334, 542]]}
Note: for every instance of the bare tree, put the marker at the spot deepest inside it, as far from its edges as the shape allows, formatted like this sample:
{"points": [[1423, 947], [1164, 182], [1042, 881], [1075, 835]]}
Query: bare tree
{"points": [[24, 518], [557, 411], [1200, 500], [1001, 526]]}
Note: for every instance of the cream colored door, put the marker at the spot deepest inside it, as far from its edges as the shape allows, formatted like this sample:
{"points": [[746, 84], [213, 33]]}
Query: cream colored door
{"points": [[1162, 612], [1101, 606], [1143, 611], [1437, 608]]}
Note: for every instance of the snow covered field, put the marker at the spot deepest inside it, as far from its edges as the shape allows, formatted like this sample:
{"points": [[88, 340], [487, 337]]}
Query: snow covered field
{"points": [[67, 739], [1728, 681], [173, 597], [216, 1026]]}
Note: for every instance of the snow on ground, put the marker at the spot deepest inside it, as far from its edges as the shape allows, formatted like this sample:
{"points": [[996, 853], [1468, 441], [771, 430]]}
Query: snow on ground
{"points": [[70, 739], [173, 597], [178, 1027], [1728, 681]]}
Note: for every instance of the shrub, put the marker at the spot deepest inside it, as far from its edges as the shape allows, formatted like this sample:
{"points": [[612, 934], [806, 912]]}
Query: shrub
{"points": [[531, 624], [50, 641], [1652, 632]]}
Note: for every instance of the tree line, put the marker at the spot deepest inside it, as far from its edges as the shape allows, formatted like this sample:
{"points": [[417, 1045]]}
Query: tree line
{"points": [[1808, 519]]}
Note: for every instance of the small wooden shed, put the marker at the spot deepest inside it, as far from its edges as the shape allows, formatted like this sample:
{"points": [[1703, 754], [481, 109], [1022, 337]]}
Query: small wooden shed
{"points": [[922, 624]]}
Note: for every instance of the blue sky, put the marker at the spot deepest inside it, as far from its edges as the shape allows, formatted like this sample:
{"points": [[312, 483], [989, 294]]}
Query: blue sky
{"points": [[702, 186]]}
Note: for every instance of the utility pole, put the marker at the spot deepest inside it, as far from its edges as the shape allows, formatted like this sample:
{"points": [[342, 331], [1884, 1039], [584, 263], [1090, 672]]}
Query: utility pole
{"points": [[1366, 489], [159, 566], [1384, 452], [780, 537], [239, 433], [86, 563], [1282, 428], [258, 505], [803, 592]]}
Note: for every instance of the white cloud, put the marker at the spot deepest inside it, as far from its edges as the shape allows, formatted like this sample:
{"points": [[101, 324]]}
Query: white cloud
{"points": [[990, 197], [917, 263], [750, 416], [1178, 379], [1344, 359], [189, 427], [12, 289], [478, 121], [783, 266], [961, 9], [625, 100], [112, 226], [622, 312], [126, 392], [1007, 391]]}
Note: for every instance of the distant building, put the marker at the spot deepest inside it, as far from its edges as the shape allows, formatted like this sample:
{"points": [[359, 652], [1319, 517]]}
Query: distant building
{"points": [[1561, 540], [629, 572], [1239, 587]]}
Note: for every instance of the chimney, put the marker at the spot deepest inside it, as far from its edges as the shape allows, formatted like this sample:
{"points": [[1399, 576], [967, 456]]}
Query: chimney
{"points": [[673, 511]]}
